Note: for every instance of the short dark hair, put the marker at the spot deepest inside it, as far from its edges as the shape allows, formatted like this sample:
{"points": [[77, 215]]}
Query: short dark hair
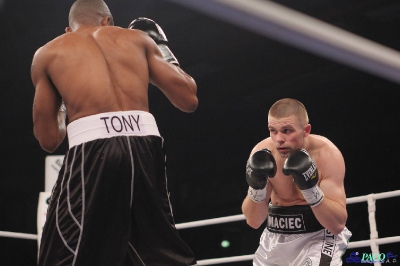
{"points": [[88, 12]]}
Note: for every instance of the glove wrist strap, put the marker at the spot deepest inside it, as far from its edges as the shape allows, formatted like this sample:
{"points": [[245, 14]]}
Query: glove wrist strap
{"points": [[257, 195], [167, 54], [313, 196], [63, 109]]}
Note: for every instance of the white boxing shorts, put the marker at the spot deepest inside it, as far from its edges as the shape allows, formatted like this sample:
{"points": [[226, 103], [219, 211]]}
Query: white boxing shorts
{"points": [[292, 238]]}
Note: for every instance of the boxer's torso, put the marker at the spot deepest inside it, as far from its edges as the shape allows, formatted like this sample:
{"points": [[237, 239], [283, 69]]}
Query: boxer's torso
{"points": [[284, 190], [107, 65]]}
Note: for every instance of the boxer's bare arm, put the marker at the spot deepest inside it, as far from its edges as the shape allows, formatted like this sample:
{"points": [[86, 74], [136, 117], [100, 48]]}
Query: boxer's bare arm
{"points": [[179, 87], [48, 123], [256, 212], [332, 213]]}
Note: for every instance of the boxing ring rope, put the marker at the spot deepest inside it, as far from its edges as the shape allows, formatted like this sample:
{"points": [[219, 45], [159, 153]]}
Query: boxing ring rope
{"points": [[299, 30], [18, 235], [373, 242]]}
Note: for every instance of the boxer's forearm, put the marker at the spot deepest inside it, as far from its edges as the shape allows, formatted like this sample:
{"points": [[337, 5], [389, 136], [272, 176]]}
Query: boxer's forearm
{"points": [[331, 215], [255, 213], [50, 136]]}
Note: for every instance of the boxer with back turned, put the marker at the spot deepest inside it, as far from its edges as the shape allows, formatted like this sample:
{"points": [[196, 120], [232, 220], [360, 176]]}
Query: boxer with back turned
{"points": [[110, 202]]}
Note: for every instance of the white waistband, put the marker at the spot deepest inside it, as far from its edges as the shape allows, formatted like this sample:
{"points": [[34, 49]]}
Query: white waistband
{"points": [[111, 124]]}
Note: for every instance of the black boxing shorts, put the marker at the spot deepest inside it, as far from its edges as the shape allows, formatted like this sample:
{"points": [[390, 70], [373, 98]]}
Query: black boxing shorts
{"points": [[110, 205]]}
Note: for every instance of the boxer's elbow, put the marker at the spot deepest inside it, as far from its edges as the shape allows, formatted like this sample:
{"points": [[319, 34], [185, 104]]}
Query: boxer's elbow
{"points": [[47, 143], [255, 213], [187, 101], [254, 223], [187, 104], [340, 223], [337, 228], [253, 219], [49, 146], [190, 105]]}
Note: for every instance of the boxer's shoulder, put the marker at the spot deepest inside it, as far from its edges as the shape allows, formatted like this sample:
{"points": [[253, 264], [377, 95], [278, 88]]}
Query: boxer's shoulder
{"points": [[266, 143]]}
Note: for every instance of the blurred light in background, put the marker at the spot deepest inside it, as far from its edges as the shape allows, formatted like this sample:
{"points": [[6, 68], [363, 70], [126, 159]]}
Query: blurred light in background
{"points": [[225, 243]]}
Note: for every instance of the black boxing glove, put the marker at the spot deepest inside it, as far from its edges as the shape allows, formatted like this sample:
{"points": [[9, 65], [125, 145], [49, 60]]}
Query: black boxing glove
{"points": [[157, 34], [259, 167], [305, 175]]}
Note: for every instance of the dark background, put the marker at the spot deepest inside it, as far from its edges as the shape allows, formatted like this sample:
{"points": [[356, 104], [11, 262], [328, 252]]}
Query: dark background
{"points": [[239, 75]]}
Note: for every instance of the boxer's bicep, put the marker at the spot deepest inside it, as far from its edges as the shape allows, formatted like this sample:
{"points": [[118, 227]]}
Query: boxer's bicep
{"points": [[332, 183]]}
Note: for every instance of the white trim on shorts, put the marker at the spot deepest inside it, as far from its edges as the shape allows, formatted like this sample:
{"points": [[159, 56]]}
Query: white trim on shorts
{"points": [[111, 124]]}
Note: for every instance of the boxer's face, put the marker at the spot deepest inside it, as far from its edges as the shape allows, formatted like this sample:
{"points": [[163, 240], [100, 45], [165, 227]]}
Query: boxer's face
{"points": [[287, 134]]}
